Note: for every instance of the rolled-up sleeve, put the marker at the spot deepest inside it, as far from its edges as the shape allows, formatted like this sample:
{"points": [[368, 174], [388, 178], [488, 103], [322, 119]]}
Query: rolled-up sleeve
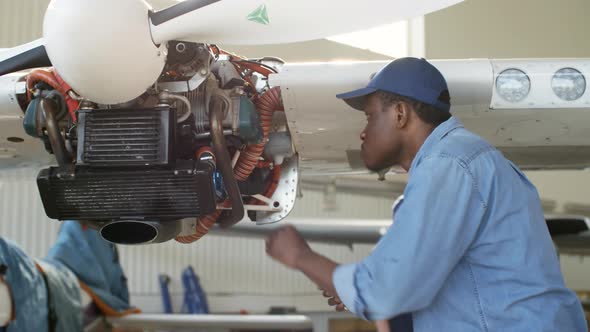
{"points": [[344, 283], [434, 226]]}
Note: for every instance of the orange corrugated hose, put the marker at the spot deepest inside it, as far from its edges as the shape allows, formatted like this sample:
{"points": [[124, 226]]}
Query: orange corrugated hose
{"points": [[266, 105], [203, 226], [55, 81]]}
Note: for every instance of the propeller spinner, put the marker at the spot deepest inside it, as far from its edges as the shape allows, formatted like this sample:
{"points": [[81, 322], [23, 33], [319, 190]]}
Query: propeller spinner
{"points": [[103, 49]]}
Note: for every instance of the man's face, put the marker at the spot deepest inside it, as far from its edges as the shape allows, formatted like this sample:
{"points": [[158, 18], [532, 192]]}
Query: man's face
{"points": [[381, 138]]}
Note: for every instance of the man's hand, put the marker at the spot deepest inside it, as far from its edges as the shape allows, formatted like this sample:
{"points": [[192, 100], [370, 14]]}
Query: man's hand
{"points": [[335, 301], [287, 246]]}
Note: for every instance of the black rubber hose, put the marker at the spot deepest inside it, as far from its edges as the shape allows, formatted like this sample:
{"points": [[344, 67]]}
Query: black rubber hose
{"points": [[224, 164]]}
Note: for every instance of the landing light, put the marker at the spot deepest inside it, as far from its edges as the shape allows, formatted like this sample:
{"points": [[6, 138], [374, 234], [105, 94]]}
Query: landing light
{"points": [[540, 84], [513, 85], [568, 84]]}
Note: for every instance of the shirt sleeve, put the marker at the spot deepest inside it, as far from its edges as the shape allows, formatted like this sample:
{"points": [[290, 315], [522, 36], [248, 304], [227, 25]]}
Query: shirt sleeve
{"points": [[434, 226]]}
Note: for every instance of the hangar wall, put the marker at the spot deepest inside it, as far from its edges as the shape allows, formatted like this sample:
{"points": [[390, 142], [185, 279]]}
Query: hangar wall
{"points": [[21, 21], [509, 29]]}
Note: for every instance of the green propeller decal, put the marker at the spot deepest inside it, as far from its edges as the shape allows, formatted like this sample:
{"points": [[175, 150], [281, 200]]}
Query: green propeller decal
{"points": [[259, 15]]}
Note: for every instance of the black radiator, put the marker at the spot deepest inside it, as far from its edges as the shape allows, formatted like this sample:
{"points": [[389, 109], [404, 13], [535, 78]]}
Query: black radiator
{"points": [[122, 194], [114, 138]]}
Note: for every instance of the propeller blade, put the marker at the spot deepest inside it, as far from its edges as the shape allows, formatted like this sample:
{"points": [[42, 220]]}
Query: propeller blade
{"points": [[31, 55], [243, 22], [180, 9]]}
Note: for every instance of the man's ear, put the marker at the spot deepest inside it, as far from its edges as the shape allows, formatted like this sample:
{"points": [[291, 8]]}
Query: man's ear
{"points": [[402, 114]]}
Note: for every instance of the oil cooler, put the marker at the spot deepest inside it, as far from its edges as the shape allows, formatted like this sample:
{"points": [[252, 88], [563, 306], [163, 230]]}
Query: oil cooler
{"points": [[126, 170]]}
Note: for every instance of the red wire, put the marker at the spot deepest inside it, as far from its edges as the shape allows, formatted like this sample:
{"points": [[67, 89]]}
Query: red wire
{"points": [[55, 81]]}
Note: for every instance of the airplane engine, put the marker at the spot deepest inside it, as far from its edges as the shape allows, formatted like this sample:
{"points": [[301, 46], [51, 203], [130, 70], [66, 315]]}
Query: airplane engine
{"points": [[202, 146]]}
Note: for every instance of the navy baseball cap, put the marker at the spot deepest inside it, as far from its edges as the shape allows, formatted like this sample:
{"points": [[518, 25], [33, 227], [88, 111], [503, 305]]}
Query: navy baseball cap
{"points": [[409, 77]]}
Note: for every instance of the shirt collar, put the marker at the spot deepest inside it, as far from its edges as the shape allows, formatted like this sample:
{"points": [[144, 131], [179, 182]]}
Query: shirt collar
{"points": [[437, 134]]}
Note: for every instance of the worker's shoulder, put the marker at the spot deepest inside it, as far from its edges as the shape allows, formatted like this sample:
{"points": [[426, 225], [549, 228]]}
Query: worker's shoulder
{"points": [[464, 147]]}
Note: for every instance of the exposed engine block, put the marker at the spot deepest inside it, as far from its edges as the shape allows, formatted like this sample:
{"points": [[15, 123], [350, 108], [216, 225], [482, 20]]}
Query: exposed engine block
{"points": [[136, 170]]}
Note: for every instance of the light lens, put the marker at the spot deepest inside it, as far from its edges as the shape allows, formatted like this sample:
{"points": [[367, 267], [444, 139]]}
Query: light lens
{"points": [[513, 85], [568, 84]]}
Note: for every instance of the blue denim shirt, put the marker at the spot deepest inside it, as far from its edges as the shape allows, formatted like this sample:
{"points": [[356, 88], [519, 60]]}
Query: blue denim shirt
{"points": [[469, 249]]}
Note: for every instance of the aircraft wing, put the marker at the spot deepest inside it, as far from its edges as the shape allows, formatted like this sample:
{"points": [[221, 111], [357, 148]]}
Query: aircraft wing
{"points": [[573, 244], [529, 117], [345, 231], [571, 234]]}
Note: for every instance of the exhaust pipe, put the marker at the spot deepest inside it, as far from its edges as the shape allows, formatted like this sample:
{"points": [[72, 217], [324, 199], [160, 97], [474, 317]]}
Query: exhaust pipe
{"points": [[132, 232], [224, 164]]}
